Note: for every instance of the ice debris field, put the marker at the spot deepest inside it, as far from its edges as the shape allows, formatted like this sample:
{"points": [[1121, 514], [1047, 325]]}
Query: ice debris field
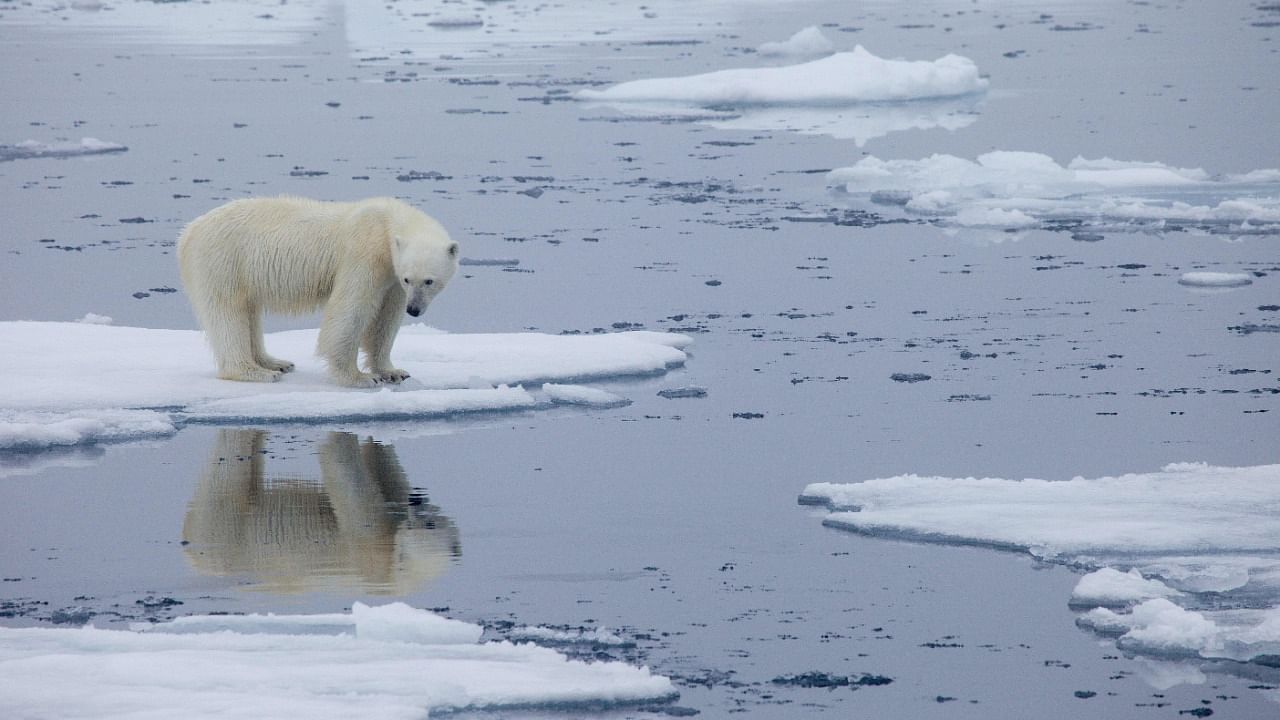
{"points": [[1185, 561], [386, 662], [1010, 189], [74, 383]]}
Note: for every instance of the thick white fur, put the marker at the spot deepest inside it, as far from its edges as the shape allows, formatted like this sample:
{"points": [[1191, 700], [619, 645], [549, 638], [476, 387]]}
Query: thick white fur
{"points": [[365, 262]]}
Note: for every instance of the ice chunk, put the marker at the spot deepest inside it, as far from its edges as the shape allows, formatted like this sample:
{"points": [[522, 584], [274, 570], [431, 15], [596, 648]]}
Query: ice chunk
{"points": [[552, 636], [1215, 279], [582, 395], [807, 42], [49, 396], [1110, 587], [95, 319], [841, 79], [388, 662]]}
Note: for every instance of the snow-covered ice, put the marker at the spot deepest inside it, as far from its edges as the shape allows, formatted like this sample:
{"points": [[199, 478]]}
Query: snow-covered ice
{"points": [[1160, 537], [69, 383], [840, 79], [391, 661], [807, 42], [1019, 189]]}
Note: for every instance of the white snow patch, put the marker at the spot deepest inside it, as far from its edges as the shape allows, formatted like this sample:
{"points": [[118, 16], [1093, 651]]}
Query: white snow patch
{"points": [[122, 382], [1190, 527], [1015, 189], [392, 662], [841, 79], [807, 42], [1215, 279], [582, 395]]}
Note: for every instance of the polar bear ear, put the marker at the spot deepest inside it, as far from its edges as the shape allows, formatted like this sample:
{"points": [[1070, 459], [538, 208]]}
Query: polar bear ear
{"points": [[453, 250]]}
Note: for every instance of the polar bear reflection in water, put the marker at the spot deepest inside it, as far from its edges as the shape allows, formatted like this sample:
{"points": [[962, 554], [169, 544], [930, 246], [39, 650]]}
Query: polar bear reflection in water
{"points": [[361, 524]]}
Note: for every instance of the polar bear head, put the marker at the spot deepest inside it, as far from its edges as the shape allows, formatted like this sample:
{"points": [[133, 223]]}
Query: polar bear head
{"points": [[424, 258]]}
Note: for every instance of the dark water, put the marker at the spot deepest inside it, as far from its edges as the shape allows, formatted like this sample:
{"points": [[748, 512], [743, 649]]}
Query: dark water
{"points": [[672, 521]]}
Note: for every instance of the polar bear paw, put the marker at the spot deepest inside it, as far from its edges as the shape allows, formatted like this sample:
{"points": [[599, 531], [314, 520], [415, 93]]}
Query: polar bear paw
{"points": [[390, 375], [252, 373]]}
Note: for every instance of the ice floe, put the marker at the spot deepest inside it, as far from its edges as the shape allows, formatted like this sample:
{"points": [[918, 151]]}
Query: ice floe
{"points": [[840, 79], [1022, 189], [34, 149], [850, 95], [391, 661], [1193, 537], [1215, 279], [70, 383]]}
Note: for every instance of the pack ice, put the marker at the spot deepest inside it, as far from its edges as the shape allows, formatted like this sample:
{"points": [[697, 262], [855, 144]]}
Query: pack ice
{"points": [[1009, 189], [1185, 561], [388, 662], [75, 383]]}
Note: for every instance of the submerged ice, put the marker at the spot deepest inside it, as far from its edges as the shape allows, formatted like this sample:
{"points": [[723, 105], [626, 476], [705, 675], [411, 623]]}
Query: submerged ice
{"points": [[391, 661], [1187, 540]]}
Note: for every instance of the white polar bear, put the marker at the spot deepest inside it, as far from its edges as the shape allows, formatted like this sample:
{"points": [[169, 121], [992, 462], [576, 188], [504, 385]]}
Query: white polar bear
{"points": [[365, 261]]}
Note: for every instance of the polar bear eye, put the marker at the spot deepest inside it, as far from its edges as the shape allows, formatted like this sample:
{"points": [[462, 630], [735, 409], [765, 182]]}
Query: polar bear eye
{"points": [[428, 281], [406, 280]]}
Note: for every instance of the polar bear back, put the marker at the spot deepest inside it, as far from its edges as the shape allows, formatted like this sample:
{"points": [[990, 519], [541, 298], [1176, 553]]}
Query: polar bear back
{"points": [[283, 254]]}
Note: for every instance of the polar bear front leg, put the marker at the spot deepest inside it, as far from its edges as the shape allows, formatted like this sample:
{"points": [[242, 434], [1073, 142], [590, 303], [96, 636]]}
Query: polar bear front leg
{"points": [[346, 316], [381, 335], [260, 355]]}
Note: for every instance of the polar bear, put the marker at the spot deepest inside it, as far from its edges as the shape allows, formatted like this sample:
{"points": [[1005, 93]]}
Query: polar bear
{"points": [[365, 262]]}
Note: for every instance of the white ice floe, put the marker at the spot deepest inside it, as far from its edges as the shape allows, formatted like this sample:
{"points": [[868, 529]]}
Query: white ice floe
{"points": [[582, 395], [34, 149], [68, 383], [841, 79], [807, 42], [1215, 279], [1188, 529], [1020, 189], [391, 662]]}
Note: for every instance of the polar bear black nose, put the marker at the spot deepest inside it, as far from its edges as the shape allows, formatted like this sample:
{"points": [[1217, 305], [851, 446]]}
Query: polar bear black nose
{"points": [[414, 311]]}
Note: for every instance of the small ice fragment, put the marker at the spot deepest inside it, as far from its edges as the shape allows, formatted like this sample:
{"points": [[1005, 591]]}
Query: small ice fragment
{"points": [[1215, 279], [95, 319], [1109, 587], [582, 395], [910, 377]]}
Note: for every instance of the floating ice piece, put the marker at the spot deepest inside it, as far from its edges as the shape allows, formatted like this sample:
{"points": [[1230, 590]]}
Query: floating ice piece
{"points": [[33, 149], [95, 319], [1109, 587], [1161, 627], [841, 79], [1020, 189], [1192, 527], [807, 42], [1185, 506], [582, 395], [51, 395], [390, 662], [1215, 279]]}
